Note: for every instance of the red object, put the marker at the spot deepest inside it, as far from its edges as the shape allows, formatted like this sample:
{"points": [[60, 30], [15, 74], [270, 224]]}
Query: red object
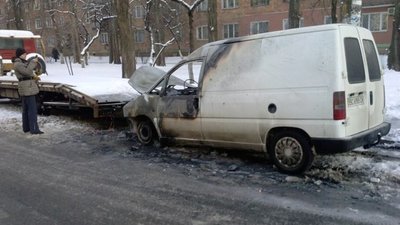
{"points": [[339, 105]]}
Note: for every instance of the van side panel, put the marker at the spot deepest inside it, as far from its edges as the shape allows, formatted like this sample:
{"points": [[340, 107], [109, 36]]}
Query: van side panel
{"points": [[287, 80]]}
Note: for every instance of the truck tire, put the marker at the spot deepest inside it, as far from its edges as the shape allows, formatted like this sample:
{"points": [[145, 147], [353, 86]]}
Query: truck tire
{"points": [[290, 151]]}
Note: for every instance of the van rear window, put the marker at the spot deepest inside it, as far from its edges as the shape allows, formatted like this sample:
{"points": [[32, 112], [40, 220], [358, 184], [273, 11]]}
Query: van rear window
{"points": [[354, 61], [372, 60]]}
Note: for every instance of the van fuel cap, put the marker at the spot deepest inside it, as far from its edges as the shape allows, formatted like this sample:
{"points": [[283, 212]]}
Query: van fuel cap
{"points": [[272, 108]]}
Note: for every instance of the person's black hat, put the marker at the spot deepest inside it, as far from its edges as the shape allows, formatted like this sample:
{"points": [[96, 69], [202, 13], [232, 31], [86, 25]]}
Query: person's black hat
{"points": [[19, 52]]}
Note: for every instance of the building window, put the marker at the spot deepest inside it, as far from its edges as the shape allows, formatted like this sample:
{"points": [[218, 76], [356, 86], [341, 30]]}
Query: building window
{"points": [[36, 5], [104, 38], [27, 7], [179, 34], [230, 4], [28, 25], [51, 41], [139, 36], [231, 30], [88, 18], [139, 12], [38, 24], [259, 2], [61, 20], [327, 20], [49, 22], [285, 23], [258, 27], [46, 5], [202, 33], [203, 7], [375, 21]]}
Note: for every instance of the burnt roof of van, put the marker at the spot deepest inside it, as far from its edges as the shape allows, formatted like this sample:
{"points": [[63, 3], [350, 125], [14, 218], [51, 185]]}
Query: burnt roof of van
{"points": [[282, 32]]}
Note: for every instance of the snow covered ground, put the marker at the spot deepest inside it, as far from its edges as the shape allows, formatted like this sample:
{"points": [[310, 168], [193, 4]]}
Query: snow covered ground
{"points": [[100, 78]]}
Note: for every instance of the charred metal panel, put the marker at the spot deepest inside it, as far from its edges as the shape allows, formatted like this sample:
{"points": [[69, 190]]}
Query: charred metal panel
{"points": [[178, 107], [178, 116], [144, 105]]}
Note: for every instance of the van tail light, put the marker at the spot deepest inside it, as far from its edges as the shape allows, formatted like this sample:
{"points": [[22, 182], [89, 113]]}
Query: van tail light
{"points": [[339, 105]]}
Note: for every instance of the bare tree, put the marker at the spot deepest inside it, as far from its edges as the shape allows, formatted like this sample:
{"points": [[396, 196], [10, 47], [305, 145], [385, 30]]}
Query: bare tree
{"points": [[124, 30], [73, 23], [16, 17], [334, 11], [160, 18], [394, 51], [294, 14], [115, 45], [190, 10], [17, 6], [212, 21]]}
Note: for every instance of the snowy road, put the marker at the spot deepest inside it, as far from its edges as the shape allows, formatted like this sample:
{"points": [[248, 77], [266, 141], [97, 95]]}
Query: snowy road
{"points": [[78, 174]]}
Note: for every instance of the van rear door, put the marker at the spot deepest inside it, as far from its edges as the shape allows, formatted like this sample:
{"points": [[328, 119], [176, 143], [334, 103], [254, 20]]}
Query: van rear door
{"points": [[356, 91], [374, 81]]}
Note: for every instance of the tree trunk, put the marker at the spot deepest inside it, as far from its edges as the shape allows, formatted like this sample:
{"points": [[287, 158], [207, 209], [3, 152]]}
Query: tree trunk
{"points": [[294, 14], [334, 11], [160, 61], [76, 45], [212, 21], [191, 38], [115, 54], [18, 15], [126, 38], [160, 35], [191, 43], [393, 56]]}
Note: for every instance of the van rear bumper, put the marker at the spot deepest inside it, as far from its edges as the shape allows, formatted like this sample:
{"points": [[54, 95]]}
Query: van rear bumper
{"points": [[365, 138]]}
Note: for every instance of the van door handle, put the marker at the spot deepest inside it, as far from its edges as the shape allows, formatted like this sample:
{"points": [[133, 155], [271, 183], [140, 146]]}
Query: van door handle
{"points": [[371, 98]]}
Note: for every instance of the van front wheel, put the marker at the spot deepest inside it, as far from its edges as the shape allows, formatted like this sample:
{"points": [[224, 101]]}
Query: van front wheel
{"points": [[291, 152], [146, 132]]}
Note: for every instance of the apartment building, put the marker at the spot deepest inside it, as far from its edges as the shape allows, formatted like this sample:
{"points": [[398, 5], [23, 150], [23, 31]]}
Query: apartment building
{"points": [[234, 18], [246, 17]]}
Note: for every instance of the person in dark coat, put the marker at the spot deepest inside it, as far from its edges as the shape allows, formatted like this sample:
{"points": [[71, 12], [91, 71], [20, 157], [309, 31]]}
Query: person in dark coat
{"points": [[27, 89], [55, 54]]}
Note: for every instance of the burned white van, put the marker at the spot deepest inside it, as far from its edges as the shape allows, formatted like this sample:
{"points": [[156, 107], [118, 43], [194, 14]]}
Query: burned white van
{"points": [[291, 94]]}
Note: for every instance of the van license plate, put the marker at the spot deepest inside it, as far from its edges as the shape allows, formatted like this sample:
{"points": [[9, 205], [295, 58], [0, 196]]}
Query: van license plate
{"points": [[355, 100]]}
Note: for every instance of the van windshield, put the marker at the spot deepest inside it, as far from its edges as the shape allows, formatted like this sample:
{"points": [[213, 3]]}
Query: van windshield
{"points": [[9, 43]]}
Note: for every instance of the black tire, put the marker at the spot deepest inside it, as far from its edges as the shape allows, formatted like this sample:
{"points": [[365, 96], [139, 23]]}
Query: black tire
{"points": [[290, 152], [146, 132]]}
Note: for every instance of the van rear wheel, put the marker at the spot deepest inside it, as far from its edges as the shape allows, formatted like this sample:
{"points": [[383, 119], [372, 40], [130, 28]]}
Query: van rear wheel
{"points": [[146, 132], [291, 152]]}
